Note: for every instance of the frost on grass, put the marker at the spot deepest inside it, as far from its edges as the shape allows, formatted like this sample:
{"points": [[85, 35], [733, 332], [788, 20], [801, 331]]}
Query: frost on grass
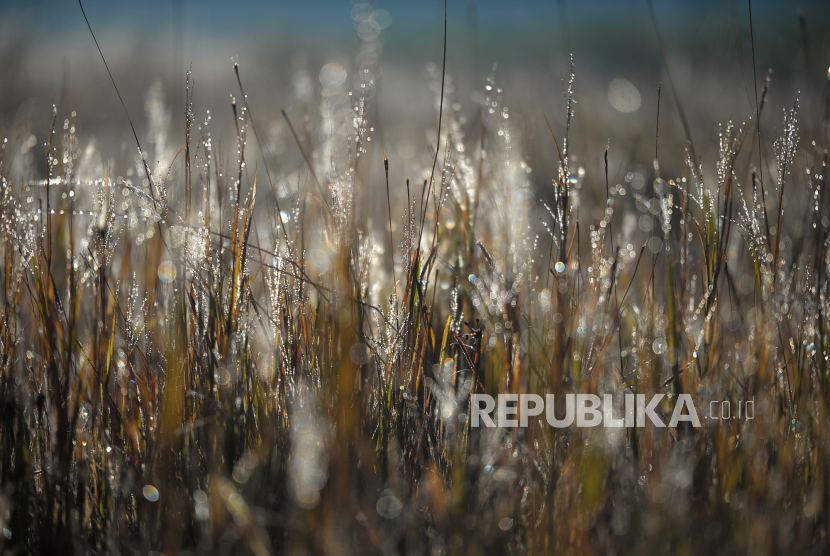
{"points": [[219, 350]]}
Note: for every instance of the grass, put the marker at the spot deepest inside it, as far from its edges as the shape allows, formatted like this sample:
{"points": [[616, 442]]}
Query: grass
{"points": [[211, 360]]}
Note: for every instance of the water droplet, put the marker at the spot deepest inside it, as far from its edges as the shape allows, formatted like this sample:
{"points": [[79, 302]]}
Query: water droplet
{"points": [[320, 259], [655, 244], [389, 506], [167, 272], [332, 75], [222, 376], [360, 353], [382, 18], [505, 524], [151, 493], [659, 346], [559, 267], [624, 96]]}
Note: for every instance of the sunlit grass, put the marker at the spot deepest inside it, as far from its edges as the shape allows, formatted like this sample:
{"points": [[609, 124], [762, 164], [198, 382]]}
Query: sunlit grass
{"points": [[231, 357]]}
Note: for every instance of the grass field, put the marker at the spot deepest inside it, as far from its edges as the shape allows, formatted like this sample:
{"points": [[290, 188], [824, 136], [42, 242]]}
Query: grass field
{"points": [[230, 353]]}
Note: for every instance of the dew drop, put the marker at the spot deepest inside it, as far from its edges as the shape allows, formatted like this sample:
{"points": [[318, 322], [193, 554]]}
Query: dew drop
{"points": [[151, 493], [332, 75], [222, 376], [200, 496], [167, 272], [389, 506], [624, 96], [360, 353]]}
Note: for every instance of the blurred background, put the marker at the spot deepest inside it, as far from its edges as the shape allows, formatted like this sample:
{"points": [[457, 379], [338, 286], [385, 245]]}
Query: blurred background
{"points": [[317, 61], [48, 57]]}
